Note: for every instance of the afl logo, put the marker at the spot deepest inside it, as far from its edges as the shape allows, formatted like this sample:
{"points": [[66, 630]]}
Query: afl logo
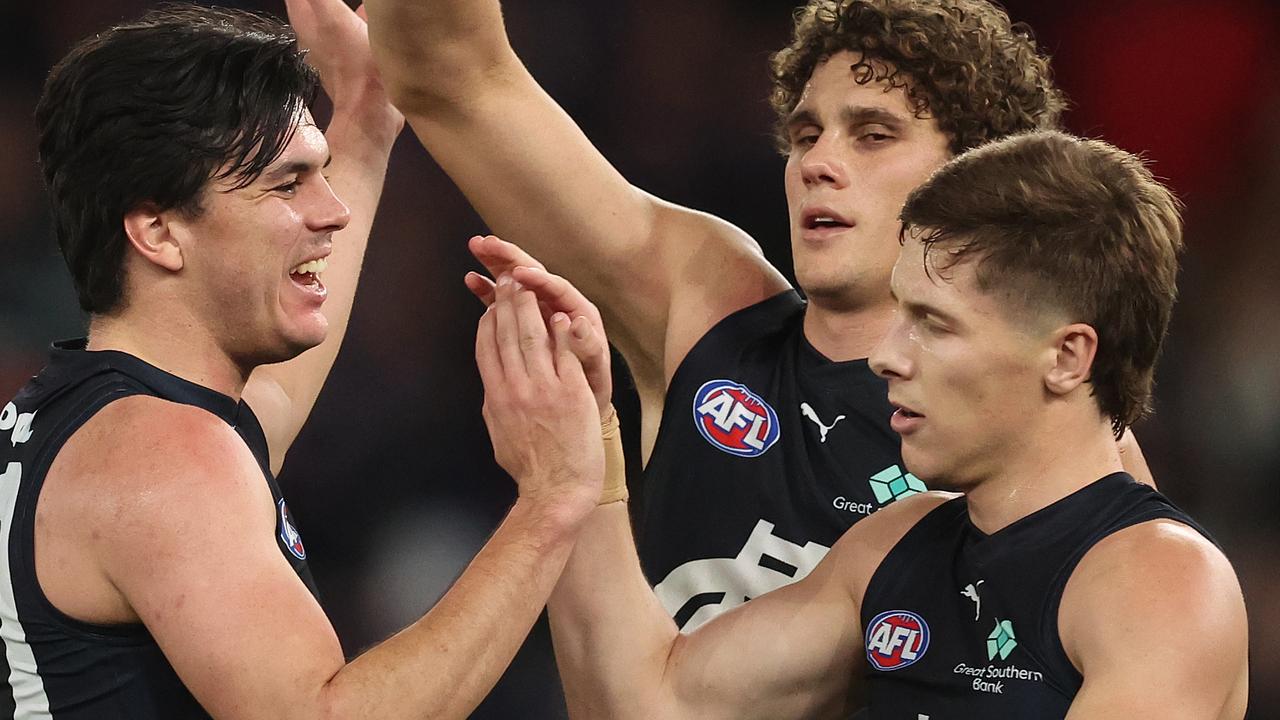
{"points": [[289, 534], [896, 639], [734, 419]]}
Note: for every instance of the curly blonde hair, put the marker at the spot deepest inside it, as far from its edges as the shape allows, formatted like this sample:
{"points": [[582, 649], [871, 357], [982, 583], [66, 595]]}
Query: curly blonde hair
{"points": [[960, 61]]}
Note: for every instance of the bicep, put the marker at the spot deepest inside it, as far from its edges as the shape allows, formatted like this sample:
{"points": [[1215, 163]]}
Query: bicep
{"points": [[537, 180], [789, 653], [204, 574], [1154, 619]]}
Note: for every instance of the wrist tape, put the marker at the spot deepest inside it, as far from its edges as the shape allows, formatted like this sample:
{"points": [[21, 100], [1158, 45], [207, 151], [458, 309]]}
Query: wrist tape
{"points": [[615, 467]]}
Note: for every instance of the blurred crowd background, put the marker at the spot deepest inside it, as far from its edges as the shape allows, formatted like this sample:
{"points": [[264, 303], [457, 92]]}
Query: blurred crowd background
{"points": [[393, 483]]}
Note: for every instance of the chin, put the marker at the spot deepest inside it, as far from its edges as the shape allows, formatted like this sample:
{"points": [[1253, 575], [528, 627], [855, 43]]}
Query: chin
{"points": [[930, 469]]}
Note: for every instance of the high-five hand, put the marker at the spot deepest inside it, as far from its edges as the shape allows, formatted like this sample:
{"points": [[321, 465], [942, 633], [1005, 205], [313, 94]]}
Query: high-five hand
{"points": [[542, 416], [587, 338]]}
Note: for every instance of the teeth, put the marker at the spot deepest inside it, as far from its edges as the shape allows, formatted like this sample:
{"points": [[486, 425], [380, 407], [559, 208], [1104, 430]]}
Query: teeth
{"points": [[314, 267]]}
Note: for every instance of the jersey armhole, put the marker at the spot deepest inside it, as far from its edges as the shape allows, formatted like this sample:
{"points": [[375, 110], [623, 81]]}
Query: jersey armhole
{"points": [[686, 366], [128, 633], [1052, 609]]}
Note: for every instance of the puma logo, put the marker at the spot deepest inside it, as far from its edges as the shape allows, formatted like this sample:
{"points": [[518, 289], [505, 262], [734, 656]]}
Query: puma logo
{"points": [[971, 591], [807, 411]]}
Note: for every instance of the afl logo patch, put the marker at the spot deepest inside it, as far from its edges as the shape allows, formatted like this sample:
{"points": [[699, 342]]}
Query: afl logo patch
{"points": [[288, 533], [734, 419], [896, 639]]}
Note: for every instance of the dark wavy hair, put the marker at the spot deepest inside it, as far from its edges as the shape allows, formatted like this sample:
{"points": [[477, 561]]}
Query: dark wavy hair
{"points": [[153, 110], [1058, 223], [961, 61]]}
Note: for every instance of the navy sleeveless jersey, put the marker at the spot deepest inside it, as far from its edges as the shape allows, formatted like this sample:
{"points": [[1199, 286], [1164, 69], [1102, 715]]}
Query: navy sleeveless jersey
{"points": [[766, 454], [960, 624], [56, 666]]}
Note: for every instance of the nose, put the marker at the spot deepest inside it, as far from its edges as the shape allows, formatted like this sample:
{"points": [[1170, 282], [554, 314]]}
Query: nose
{"points": [[890, 359], [330, 213], [822, 162]]}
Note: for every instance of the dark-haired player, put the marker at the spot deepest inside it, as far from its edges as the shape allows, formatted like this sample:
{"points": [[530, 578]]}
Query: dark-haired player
{"points": [[1034, 290], [149, 567], [764, 431]]}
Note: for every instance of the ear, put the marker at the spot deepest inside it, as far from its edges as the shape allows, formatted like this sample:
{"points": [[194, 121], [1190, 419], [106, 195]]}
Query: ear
{"points": [[1074, 346], [152, 234]]}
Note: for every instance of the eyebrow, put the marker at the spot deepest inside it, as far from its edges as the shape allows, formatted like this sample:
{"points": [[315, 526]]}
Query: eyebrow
{"points": [[921, 309], [849, 115], [292, 167]]}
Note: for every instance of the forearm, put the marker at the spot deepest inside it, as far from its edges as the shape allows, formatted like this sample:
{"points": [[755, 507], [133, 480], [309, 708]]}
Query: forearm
{"points": [[443, 665], [612, 638], [428, 51], [361, 147], [283, 394]]}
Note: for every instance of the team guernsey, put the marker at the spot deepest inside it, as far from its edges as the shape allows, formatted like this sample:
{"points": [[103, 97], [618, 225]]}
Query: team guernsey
{"points": [[55, 666], [959, 624], [766, 454]]}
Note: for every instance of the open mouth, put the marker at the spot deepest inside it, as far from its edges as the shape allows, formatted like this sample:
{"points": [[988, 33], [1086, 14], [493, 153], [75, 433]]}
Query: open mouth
{"points": [[308, 273], [824, 222]]}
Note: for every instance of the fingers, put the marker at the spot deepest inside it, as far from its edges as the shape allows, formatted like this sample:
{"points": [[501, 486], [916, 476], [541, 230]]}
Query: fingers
{"points": [[588, 346], [487, 357], [499, 256], [563, 343], [535, 344], [523, 341], [558, 293], [480, 286], [507, 330]]}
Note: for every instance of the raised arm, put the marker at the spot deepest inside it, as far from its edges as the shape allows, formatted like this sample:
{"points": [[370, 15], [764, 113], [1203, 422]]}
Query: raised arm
{"points": [[1154, 619], [360, 135], [538, 181]]}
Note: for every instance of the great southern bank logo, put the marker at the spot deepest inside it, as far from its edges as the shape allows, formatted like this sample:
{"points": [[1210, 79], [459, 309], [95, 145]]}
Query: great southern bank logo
{"points": [[734, 419], [896, 639]]}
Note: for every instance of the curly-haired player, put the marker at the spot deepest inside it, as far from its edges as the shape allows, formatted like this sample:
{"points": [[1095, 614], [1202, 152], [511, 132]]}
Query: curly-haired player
{"points": [[765, 433]]}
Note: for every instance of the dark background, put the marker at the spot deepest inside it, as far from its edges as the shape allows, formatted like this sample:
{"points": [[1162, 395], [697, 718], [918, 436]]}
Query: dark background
{"points": [[392, 482]]}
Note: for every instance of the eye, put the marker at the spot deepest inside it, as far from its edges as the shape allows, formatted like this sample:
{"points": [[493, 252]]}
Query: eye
{"points": [[935, 326], [804, 138], [288, 188], [874, 137]]}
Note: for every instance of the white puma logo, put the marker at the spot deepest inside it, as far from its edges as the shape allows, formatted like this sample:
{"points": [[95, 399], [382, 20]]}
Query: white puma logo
{"points": [[807, 411], [971, 591]]}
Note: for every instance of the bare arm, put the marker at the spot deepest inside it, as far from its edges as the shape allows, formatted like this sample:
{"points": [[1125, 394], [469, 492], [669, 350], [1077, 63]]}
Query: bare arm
{"points": [[791, 653], [1154, 619], [538, 181], [360, 136], [240, 628]]}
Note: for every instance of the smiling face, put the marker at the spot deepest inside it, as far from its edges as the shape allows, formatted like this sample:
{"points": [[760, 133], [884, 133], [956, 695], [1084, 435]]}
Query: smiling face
{"points": [[254, 255], [856, 152], [965, 372]]}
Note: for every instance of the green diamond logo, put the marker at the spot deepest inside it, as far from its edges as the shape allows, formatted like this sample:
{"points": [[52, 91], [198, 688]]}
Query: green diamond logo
{"points": [[892, 484], [1001, 640]]}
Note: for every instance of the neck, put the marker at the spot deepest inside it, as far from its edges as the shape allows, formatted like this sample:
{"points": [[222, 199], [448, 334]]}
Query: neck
{"points": [[842, 334], [1045, 464], [175, 344]]}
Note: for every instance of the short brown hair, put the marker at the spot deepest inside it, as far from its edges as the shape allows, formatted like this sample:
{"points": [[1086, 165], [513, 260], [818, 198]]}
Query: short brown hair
{"points": [[1063, 223], [961, 61], [150, 111]]}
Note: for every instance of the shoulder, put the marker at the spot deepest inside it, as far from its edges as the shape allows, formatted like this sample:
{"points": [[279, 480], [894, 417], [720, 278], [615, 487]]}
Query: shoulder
{"points": [[143, 460], [1154, 620], [1159, 581]]}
